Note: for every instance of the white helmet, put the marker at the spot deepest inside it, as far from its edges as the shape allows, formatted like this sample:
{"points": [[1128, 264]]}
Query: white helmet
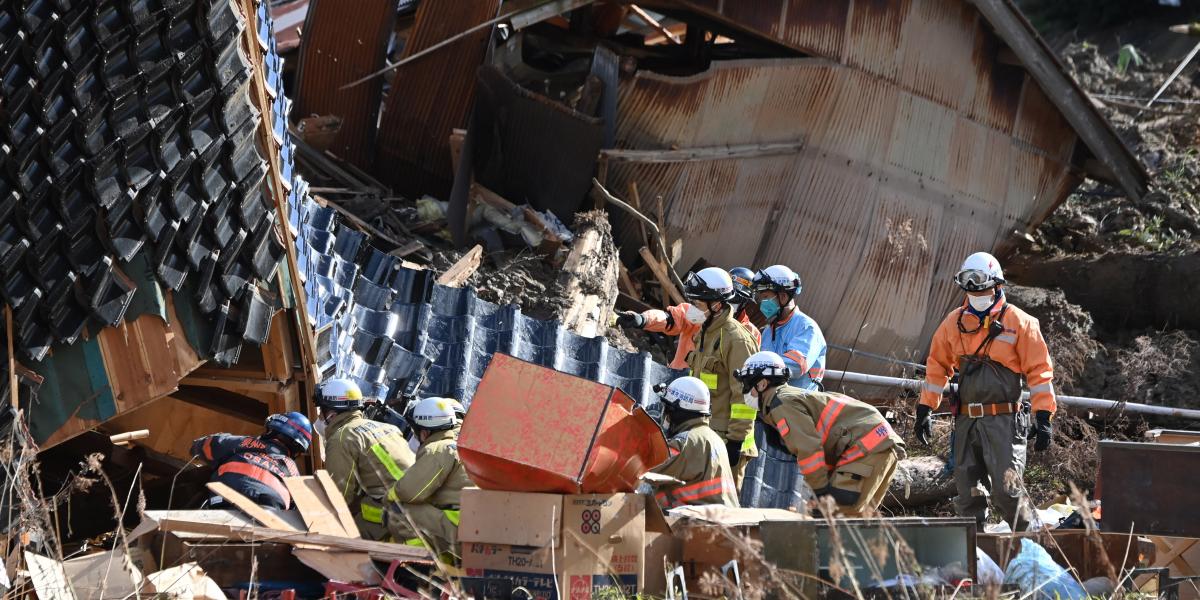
{"points": [[339, 394], [712, 284], [689, 393], [763, 365], [433, 414], [981, 271], [777, 278], [460, 411]]}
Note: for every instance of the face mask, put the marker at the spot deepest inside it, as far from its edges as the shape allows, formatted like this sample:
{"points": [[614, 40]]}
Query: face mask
{"points": [[751, 400], [769, 308], [319, 426], [981, 303], [694, 315]]}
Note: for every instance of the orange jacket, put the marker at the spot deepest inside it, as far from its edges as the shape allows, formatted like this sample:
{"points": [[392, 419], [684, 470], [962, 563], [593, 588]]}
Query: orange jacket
{"points": [[679, 326], [1020, 349]]}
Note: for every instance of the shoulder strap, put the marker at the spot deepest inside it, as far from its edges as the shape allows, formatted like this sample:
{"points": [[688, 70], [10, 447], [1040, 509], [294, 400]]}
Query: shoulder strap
{"points": [[995, 328]]}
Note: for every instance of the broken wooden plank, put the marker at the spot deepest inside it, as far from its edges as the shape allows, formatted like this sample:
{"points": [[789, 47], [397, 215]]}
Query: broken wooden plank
{"points": [[379, 550], [129, 436], [598, 191], [660, 273], [339, 503], [348, 567], [636, 200], [589, 276], [314, 506], [248, 506], [461, 271], [626, 283]]}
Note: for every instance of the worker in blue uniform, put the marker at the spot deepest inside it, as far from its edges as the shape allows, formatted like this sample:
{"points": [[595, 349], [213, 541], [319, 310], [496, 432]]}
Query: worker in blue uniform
{"points": [[789, 332]]}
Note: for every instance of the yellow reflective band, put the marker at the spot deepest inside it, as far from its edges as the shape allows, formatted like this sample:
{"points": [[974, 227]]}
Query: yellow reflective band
{"points": [[709, 379], [371, 514], [454, 516], [748, 445], [738, 410], [414, 542], [382, 454]]}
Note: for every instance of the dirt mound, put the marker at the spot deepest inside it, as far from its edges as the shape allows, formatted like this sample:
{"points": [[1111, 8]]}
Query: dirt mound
{"points": [[520, 278], [1066, 327], [1099, 218]]}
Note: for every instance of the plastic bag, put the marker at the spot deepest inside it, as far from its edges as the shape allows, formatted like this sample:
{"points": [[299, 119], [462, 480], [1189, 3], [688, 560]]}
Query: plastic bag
{"points": [[1036, 573], [986, 569]]}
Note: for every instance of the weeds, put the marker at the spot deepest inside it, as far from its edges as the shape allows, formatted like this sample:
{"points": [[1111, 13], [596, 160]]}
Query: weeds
{"points": [[1128, 54]]}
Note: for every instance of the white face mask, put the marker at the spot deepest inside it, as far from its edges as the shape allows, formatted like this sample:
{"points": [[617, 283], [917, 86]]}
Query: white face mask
{"points": [[751, 400], [981, 303], [694, 315], [319, 426]]}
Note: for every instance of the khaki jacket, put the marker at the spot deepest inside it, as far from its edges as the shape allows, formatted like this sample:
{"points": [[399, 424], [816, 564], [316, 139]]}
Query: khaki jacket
{"points": [[365, 458], [827, 430], [437, 477], [721, 349], [700, 461]]}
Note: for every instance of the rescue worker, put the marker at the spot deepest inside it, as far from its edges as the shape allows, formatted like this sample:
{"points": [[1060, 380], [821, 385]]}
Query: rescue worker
{"points": [[698, 455], [427, 496], [364, 457], [991, 345], [789, 332], [255, 466], [684, 320], [844, 447]]}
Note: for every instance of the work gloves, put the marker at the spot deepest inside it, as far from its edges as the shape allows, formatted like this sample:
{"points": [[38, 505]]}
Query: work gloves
{"points": [[734, 448], [924, 425], [630, 319], [1043, 431]]}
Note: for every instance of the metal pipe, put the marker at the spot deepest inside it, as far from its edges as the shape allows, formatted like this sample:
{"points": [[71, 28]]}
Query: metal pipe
{"points": [[853, 352], [1097, 404]]}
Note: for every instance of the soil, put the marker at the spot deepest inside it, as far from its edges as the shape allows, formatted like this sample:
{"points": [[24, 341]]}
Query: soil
{"points": [[519, 278]]}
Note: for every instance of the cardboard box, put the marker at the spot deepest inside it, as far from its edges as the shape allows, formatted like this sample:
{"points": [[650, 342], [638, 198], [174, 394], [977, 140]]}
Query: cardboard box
{"points": [[563, 546]]}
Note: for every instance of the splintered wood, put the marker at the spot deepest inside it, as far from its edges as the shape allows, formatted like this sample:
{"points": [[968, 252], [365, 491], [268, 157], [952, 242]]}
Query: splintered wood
{"points": [[248, 506], [589, 276], [461, 271]]}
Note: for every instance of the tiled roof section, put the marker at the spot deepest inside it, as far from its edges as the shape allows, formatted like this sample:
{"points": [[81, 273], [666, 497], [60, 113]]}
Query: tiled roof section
{"points": [[376, 321], [127, 128]]}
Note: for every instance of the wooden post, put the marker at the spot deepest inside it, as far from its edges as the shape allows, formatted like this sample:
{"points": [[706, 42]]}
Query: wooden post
{"points": [[12, 361], [660, 273]]}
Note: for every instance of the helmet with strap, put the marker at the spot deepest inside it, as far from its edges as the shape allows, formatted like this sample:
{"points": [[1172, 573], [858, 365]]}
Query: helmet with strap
{"points": [[339, 394], [433, 414], [293, 428], [712, 284], [743, 284], [981, 271], [763, 365], [777, 278], [690, 394]]}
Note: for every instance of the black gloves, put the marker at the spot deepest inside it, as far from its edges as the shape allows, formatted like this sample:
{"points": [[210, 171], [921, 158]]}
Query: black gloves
{"points": [[1043, 431], [924, 425], [630, 319], [735, 452]]}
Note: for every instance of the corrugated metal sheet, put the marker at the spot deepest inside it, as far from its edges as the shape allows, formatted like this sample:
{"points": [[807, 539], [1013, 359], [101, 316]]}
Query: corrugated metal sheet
{"points": [[342, 44], [287, 18], [942, 50], [889, 190], [430, 96]]}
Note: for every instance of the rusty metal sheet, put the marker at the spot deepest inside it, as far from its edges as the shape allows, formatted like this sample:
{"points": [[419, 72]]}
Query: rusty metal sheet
{"points": [[430, 96], [945, 51], [882, 195], [1149, 489], [341, 46]]}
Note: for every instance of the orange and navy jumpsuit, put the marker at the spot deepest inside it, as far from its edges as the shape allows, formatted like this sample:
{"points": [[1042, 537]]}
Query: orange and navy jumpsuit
{"points": [[252, 466]]}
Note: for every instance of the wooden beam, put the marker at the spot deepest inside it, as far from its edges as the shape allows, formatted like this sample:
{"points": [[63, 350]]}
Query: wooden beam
{"points": [[589, 278], [247, 533], [652, 22], [461, 271], [636, 200], [224, 401], [248, 506], [269, 386], [660, 273], [339, 503], [318, 514]]}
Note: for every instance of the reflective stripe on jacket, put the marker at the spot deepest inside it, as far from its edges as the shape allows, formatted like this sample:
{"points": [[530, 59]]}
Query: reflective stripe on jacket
{"points": [[685, 330], [1019, 348], [825, 430], [700, 461], [799, 340], [365, 458], [251, 466], [437, 476], [722, 349]]}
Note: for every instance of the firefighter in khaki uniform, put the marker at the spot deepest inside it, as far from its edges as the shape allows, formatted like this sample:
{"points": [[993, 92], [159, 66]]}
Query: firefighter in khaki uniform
{"points": [[698, 455], [423, 504], [363, 457], [844, 447], [722, 346], [991, 345]]}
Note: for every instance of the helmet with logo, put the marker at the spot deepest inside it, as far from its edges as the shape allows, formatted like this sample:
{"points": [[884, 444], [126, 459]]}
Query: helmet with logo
{"points": [[981, 271], [339, 394], [763, 365], [777, 278], [433, 414], [690, 394], [460, 411], [743, 284], [293, 428], [712, 284]]}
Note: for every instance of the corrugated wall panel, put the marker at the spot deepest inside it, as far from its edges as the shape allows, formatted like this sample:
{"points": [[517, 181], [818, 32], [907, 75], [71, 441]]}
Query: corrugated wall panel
{"points": [[935, 31], [431, 96], [340, 46], [874, 35], [817, 25], [1039, 124]]}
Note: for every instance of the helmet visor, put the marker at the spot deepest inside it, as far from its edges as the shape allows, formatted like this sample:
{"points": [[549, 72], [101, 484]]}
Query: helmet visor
{"points": [[974, 280]]}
